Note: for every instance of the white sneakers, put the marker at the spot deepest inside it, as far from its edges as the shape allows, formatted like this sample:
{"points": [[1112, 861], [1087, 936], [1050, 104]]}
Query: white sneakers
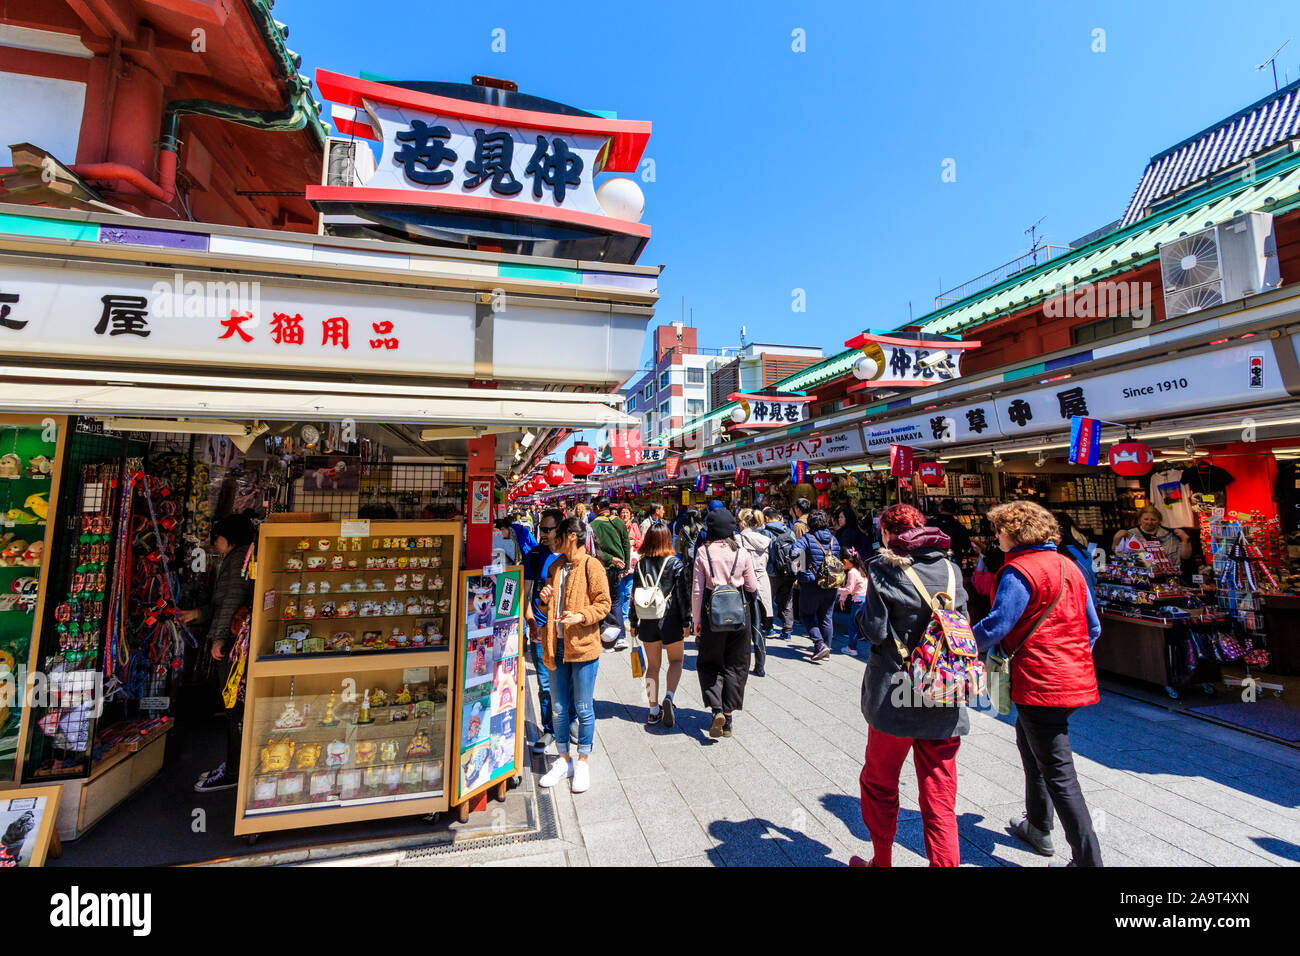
{"points": [[581, 776], [563, 767]]}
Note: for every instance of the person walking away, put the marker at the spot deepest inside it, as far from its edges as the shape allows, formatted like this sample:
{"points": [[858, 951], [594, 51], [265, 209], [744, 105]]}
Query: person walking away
{"points": [[722, 567], [232, 593], [853, 594], [753, 540], [893, 620], [780, 572], [819, 580], [1043, 618], [660, 567], [946, 521], [614, 549], [576, 597], [537, 567]]}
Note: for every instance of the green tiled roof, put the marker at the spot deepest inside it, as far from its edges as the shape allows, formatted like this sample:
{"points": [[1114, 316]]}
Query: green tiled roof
{"points": [[1123, 249]]}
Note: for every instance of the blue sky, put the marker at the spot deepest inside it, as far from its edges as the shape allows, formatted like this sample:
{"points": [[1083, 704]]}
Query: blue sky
{"points": [[822, 170]]}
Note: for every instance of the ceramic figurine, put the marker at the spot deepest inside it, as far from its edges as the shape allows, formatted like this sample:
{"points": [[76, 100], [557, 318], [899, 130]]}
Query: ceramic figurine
{"points": [[291, 718], [388, 751], [329, 609], [308, 754], [304, 544], [309, 610], [290, 610], [363, 716], [378, 584], [336, 563], [366, 753], [295, 587], [390, 563], [329, 720], [39, 466], [315, 563], [412, 606], [275, 756], [379, 698], [324, 544], [348, 609], [341, 641], [336, 754], [399, 583], [417, 582], [311, 587], [324, 587], [293, 563], [403, 696], [403, 562], [420, 745]]}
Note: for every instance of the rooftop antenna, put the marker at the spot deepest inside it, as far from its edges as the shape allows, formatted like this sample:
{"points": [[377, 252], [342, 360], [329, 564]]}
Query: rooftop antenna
{"points": [[1272, 61], [1034, 239]]}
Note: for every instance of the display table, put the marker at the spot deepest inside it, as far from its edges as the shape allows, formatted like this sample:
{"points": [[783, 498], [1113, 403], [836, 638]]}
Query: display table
{"points": [[1132, 647]]}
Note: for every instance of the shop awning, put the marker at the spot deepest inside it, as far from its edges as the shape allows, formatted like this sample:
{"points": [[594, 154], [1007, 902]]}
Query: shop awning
{"points": [[143, 401]]}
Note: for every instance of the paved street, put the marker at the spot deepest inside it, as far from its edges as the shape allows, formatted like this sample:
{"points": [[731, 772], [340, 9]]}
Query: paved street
{"points": [[1164, 789]]}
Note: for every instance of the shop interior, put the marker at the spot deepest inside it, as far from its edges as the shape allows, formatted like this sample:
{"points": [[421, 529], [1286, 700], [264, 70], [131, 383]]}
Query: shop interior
{"points": [[92, 600]]}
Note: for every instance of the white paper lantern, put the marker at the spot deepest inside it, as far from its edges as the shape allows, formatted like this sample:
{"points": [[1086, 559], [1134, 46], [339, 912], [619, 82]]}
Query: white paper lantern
{"points": [[738, 415], [621, 198]]}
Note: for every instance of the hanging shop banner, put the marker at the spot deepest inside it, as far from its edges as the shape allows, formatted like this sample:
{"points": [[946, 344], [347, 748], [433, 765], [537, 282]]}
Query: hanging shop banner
{"points": [[1085, 441], [910, 361], [755, 410], [672, 467], [720, 466], [900, 461], [489, 742], [845, 443], [625, 447]]}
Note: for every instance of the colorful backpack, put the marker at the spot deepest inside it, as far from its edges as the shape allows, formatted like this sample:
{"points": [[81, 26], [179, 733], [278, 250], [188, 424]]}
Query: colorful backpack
{"points": [[945, 666]]}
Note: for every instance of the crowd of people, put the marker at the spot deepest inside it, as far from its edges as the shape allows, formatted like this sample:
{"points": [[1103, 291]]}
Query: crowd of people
{"points": [[602, 579]]}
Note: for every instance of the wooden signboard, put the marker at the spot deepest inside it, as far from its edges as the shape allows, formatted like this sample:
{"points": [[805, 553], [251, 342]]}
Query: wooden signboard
{"points": [[27, 825]]}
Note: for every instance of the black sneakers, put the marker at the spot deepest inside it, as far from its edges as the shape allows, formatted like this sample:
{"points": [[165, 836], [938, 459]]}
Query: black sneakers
{"points": [[719, 721], [668, 716], [215, 780], [1037, 840]]}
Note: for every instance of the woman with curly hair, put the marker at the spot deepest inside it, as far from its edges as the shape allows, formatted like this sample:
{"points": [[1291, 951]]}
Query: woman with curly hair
{"points": [[1045, 620]]}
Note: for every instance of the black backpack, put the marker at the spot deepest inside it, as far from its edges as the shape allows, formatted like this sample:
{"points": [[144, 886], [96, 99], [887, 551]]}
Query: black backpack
{"points": [[781, 551], [725, 607]]}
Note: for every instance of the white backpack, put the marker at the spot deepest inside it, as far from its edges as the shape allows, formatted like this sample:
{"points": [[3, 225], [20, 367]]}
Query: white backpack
{"points": [[651, 603]]}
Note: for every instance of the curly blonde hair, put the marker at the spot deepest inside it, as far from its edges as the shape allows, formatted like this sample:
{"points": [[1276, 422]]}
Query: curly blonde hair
{"points": [[1025, 523]]}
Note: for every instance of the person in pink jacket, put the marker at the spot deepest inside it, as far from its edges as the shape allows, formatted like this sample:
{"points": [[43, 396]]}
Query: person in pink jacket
{"points": [[854, 592], [722, 660]]}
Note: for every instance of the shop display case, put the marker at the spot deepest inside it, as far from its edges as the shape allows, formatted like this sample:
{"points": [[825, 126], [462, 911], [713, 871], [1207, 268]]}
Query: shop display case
{"points": [[349, 673], [30, 452]]}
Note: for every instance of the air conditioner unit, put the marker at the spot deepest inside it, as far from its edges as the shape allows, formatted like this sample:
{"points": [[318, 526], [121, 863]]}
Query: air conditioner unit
{"points": [[347, 163], [1223, 263]]}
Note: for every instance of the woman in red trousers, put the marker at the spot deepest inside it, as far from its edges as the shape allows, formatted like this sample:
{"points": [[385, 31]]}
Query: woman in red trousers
{"points": [[893, 620]]}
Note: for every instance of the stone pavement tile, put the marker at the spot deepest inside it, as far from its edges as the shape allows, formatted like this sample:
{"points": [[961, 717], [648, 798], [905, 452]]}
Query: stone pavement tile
{"points": [[696, 779], [1193, 812], [840, 769], [738, 848], [986, 829], [665, 818], [1151, 851], [557, 859], [1190, 839], [985, 792], [631, 762], [618, 843], [1274, 850], [1251, 811], [839, 816], [783, 763], [704, 859]]}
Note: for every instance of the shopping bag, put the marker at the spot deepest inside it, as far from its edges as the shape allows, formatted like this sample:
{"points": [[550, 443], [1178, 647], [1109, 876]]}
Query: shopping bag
{"points": [[637, 657], [997, 677]]}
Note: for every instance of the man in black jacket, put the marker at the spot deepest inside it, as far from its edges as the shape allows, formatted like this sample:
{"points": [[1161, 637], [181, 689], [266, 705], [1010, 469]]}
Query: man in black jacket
{"points": [[780, 570]]}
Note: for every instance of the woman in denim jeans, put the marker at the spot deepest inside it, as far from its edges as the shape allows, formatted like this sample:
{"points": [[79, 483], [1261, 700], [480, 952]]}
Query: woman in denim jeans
{"points": [[577, 599]]}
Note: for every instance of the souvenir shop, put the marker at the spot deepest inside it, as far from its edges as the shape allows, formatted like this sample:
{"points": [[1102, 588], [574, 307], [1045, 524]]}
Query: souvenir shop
{"points": [[381, 687], [1204, 621]]}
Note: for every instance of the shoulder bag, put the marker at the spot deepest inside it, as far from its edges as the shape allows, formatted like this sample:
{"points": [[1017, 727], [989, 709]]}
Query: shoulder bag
{"points": [[725, 609], [998, 665]]}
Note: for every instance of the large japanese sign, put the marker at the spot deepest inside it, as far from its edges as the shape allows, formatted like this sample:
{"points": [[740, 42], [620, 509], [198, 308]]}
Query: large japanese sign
{"points": [[769, 411], [909, 361], [1208, 381], [844, 443], [724, 465], [52, 310], [470, 156]]}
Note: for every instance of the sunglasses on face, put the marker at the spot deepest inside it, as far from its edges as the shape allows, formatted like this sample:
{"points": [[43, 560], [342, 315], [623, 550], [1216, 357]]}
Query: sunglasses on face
{"points": [[547, 529]]}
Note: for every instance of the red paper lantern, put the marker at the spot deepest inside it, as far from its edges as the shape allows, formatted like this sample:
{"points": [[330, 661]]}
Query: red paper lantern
{"points": [[581, 459], [821, 481], [931, 473], [717, 489], [761, 486], [536, 483], [556, 474], [1131, 458]]}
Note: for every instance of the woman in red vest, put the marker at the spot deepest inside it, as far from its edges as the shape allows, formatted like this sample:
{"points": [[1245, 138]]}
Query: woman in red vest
{"points": [[1044, 618]]}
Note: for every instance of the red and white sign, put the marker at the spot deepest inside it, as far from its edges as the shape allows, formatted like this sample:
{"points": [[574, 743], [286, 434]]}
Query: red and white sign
{"points": [[672, 467], [908, 361], [625, 447], [900, 460], [758, 411], [825, 446]]}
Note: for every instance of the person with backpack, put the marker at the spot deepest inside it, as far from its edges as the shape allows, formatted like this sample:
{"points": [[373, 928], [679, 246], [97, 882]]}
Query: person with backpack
{"points": [[614, 549], [780, 570], [753, 540], [1045, 622], [659, 600], [903, 583], [817, 553], [723, 574]]}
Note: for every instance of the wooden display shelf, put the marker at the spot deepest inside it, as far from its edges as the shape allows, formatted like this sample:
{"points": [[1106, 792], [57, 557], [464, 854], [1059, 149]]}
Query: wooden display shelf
{"points": [[270, 675]]}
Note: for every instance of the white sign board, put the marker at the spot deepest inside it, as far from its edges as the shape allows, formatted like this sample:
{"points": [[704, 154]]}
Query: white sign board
{"points": [[826, 446]]}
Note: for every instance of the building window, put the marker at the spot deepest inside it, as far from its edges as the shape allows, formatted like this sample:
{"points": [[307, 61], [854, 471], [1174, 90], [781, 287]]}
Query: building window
{"points": [[1096, 331], [663, 378], [631, 404], [695, 407], [695, 376], [663, 410], [649, 391]]}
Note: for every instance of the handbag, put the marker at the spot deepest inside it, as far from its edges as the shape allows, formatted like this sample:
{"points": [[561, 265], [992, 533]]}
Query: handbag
{"points": [[998, 663], [725, 609], [637, 657]]}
